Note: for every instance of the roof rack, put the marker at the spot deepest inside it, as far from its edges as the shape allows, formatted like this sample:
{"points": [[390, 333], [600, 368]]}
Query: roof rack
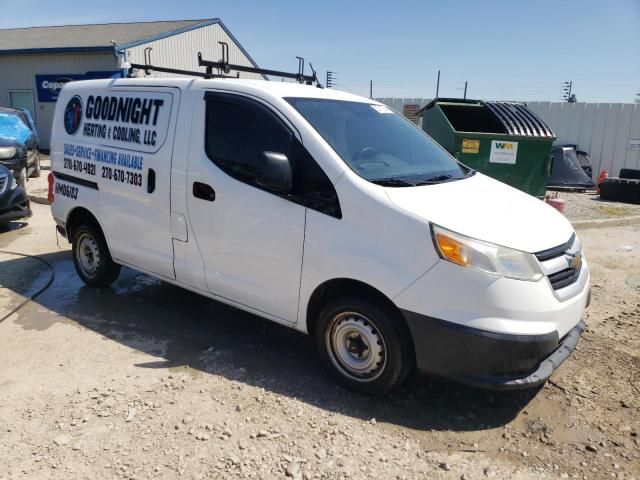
{"points": [[148, 67], [224, 68]]}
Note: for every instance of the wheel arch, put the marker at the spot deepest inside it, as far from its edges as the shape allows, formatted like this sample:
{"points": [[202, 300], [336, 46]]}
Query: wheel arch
{"points": [[79, 216], [341, 287]]}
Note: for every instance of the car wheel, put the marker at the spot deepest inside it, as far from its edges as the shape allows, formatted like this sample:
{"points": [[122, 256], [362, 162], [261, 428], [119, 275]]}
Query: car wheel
{"points": [[91, 257], [365, 345], [36, 167]]}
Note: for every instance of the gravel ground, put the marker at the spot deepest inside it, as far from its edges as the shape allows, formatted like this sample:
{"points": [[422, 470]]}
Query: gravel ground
{"points": [[589, 206]]}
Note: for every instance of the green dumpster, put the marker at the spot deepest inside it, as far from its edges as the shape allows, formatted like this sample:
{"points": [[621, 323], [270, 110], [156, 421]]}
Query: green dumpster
{"points": [[504, 140]]}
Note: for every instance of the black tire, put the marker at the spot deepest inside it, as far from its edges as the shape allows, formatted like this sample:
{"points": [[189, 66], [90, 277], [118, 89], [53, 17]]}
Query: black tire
{"points": [[21, 177], [91, 257], [36, 168], [632, 173], [621, 190], [377, 344]]}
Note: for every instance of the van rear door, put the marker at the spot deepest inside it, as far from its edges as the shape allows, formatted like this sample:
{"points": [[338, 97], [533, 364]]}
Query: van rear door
{"points": [[136, 128]]}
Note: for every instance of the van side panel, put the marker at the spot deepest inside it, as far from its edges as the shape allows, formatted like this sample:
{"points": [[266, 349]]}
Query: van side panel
{"points": [[372, 243], [120, 138]]}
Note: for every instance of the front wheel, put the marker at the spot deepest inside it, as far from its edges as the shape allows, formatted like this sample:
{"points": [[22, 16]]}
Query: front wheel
{"points": [[365, 345], [91, 257], [37, 171], [21, 178]]}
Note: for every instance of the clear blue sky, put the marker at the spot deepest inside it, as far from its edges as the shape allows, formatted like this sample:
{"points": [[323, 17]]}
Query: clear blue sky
{"points": [[519, 50]]}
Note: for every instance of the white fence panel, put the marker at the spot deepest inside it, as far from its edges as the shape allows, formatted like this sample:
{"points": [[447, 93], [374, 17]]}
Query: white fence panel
{"points": [[604, 130]]}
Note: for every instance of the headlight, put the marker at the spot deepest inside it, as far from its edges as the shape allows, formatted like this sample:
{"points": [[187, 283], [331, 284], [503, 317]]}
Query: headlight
{"points": [[7, 152], [490, 258]]}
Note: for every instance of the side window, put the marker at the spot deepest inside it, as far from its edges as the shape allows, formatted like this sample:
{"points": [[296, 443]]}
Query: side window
{"points": [[237, 132]]}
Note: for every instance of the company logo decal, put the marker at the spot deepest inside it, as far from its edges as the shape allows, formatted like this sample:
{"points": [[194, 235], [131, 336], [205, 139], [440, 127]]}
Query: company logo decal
{"points": [[54, 86], [73, 115], [503, 152]]}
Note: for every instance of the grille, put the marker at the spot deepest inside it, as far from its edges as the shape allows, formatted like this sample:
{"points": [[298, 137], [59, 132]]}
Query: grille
{"points": [[564, 278], [562, 264], [4, 181]]}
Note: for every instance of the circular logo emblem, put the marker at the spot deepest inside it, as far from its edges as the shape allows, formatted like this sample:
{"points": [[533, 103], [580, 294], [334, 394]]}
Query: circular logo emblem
{"points": [[73, 115]]}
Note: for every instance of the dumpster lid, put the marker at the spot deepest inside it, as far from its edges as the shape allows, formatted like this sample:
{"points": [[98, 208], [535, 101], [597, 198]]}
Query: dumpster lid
{"points": [[511, 118]]}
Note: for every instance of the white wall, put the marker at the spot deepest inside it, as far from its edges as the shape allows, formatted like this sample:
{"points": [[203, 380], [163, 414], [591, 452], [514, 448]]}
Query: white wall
{"points": [[180, 51], [18, 72], [601, 129]]}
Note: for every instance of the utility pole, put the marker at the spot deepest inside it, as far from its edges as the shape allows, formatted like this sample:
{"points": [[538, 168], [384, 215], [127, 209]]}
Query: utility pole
{"points": [[566, 91], [465, 90], [438, 84], [331, 79], [371, 89]]}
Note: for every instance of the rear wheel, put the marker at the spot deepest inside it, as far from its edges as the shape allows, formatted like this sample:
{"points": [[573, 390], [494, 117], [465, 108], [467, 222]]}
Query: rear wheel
{"points": [[365, 345], [91, 257]]}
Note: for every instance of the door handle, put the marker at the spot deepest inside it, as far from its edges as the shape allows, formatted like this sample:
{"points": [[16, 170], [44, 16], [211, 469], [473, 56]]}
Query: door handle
{"points": [[204, 191], [151, 180]]}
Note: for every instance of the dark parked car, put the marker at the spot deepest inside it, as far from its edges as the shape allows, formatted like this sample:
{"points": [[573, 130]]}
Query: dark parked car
{"points": [[19, 144], [14, 202]]}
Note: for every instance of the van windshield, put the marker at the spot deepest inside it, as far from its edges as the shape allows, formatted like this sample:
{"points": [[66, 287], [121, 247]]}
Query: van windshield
{"points": [[378, 144]]}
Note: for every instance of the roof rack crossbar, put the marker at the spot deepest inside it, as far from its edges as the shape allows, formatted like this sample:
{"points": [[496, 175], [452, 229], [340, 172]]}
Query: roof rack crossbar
{"points": [[148, 68], [226, 67]]}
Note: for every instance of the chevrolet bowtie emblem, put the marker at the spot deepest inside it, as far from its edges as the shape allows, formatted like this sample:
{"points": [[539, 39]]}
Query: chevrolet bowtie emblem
{"points": [[574, 260]]}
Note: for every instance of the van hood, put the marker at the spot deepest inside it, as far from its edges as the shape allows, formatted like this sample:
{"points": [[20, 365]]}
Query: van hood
{"points": [[486, 209]]}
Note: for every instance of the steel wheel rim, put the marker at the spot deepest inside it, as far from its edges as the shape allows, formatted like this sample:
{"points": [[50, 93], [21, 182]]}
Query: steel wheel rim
{"points": [[356, 346], [88, 254]]}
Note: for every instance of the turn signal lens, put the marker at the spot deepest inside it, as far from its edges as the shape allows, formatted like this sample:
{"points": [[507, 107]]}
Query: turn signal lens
{"points": [[451, 249]]}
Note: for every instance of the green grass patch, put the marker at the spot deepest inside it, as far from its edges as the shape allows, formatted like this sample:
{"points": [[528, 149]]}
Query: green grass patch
{"points": [[614, 210]]}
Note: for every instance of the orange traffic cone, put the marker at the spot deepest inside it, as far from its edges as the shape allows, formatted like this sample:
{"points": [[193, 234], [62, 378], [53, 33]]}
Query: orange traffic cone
{"points": [[603, 176]]}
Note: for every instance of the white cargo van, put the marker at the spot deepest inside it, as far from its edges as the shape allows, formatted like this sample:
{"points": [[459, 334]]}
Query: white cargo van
{"points": [[322, 211]]}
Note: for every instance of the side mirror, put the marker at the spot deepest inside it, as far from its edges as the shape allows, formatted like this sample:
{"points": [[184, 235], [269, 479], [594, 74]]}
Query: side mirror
{"points": [[274, 172]]}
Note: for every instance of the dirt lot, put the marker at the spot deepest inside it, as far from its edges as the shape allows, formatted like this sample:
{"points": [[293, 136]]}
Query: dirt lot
{"points": [[146, 380], [588, 206]]}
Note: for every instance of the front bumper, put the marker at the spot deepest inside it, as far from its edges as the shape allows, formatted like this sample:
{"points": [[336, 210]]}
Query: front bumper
{"points": [[14, 205], [488, 359]]}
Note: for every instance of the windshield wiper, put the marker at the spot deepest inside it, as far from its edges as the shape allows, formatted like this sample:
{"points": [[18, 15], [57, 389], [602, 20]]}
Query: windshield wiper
{"points": [[393, 182], [434, 179]]}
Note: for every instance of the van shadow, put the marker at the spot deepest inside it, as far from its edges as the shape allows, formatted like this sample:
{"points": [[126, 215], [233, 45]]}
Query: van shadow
{"points": [[142, 313]]}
